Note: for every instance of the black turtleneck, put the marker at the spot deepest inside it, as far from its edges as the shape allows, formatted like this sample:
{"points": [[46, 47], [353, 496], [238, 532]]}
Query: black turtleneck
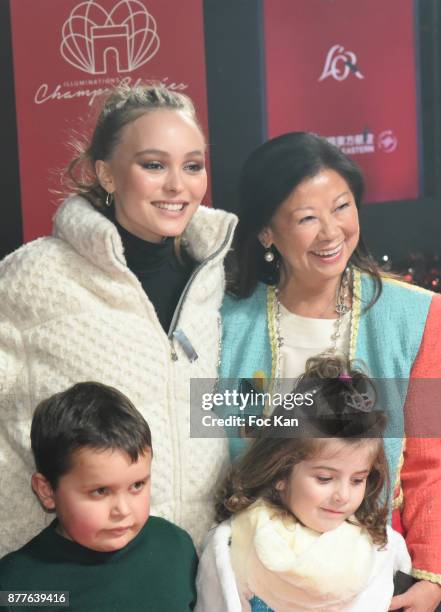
{"points": [[158, 269]]}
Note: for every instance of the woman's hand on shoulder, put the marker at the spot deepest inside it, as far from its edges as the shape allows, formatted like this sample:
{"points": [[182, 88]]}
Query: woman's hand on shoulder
{"points": [[423, 596]]}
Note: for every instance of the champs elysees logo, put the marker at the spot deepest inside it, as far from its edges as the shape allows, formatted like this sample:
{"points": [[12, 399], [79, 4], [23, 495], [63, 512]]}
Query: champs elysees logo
{"points": [[107, 45], [91, 35]]}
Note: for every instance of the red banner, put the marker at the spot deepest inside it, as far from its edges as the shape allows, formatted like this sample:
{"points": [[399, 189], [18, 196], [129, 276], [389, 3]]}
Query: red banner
{"points": [[67, 53], [346, 70]]}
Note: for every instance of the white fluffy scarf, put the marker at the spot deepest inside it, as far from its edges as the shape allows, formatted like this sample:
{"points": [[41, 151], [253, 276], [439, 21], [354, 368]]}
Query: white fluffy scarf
{"points": [[292, 568]]}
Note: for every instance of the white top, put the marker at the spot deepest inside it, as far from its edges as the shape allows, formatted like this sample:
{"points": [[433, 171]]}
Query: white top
{"points": [[305, 337]]}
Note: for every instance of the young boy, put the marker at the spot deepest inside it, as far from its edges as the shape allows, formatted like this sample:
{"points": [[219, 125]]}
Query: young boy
{"points": [[93, 453]]}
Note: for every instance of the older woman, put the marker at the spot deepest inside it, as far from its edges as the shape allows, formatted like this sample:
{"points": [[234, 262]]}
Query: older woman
{"points": [[305, 285], [116, 296]]}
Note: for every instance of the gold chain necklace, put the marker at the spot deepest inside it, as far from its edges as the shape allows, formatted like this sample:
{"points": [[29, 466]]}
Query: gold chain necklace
{"points": [[341, 308]]}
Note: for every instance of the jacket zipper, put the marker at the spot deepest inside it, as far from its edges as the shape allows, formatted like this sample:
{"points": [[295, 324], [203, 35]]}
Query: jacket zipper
{"points": [[178, 334]]}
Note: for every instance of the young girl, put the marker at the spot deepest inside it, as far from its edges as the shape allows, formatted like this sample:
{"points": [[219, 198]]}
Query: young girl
{"points": [[304, 516]]}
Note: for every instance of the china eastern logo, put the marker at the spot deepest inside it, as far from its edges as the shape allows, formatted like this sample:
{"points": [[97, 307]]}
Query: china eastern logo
{"points": [[93, 37], [340, 64], [387, 141]]}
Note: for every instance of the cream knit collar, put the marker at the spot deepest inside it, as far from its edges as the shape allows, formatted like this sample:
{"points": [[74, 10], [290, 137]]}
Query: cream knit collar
{"points": [[291, 567], [96, 238]]}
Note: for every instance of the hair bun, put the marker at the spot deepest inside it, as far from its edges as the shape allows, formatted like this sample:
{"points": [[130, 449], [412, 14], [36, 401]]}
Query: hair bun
{"points": [[328, 366], [344, 399]]}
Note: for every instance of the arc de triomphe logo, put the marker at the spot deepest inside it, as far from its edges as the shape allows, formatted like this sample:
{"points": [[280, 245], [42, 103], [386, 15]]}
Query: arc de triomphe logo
{"points": [[91, 35]]}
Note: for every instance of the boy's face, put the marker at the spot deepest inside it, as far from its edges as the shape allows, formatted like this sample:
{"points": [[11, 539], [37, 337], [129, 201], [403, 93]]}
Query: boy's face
{"points": [[104, 500]]}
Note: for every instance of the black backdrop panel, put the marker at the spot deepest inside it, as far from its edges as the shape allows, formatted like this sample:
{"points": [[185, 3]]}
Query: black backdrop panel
{"points": [[10, 223]]}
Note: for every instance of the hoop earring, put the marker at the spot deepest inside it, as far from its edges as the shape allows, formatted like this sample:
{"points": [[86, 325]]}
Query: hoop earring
{"points": [[109, 200], [268, 255]]}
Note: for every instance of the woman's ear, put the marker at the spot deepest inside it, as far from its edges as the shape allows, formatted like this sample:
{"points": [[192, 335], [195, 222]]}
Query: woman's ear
{"points": [[281, 485], [102, 170], [43, 490], [265, 237]]}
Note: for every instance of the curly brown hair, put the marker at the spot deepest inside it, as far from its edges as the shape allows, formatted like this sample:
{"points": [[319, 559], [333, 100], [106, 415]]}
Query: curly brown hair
{"points": [[270, 459], [123, 105]]}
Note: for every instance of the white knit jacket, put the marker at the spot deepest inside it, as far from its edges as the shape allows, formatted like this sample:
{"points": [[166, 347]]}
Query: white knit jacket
{"points": [[72, 311]]}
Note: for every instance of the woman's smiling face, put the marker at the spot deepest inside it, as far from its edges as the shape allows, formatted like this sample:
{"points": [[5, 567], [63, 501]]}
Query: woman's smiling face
{"points": [[316, 228], [156, 174]]}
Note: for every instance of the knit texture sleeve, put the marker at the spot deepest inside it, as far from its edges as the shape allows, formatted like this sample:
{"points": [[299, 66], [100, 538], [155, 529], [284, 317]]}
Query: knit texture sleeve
{"points": [[421, 471], [11, 362], [15, 417]]}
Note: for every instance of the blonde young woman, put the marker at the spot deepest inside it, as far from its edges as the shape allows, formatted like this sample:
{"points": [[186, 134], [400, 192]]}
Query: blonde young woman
{"points": [[116, 296], [305, 285]]}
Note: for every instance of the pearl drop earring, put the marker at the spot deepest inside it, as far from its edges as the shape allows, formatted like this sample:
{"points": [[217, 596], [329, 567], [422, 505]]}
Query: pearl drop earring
{"points": [[269, 255]]}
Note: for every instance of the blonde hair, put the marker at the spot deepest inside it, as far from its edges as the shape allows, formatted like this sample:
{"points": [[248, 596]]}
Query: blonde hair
{"points": [[124, 105]]}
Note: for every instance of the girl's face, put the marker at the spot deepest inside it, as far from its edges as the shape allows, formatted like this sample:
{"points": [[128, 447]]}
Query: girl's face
{"points": [[327, 489], [316, 228], [156, 174]]}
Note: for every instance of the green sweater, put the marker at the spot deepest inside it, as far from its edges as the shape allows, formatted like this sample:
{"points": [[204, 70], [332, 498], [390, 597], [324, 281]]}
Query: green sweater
{"points": [[155, 572]]}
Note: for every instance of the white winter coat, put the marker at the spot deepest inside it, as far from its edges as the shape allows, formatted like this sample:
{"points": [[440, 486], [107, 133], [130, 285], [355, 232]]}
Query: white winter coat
{"points": [[72, 311]]}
